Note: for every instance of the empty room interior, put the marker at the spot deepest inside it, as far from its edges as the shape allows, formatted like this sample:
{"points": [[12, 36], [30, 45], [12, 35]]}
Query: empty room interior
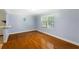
{"points": [[39, 28]]}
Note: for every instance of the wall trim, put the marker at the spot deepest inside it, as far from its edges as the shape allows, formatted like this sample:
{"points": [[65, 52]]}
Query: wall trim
{"points": [[22, 31], [60, 38], [29, 29]]}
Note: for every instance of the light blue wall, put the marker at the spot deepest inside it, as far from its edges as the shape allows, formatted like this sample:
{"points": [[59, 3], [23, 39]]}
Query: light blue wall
{"points": [[18, 24], [66, 24], [36, 22]]}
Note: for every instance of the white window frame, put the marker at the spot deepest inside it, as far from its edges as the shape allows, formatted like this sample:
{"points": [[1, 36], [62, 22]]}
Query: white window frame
{"points": [[47, 21]]}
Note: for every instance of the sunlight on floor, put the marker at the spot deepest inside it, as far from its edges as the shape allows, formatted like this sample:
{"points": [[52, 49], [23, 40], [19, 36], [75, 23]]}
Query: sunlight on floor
{"points": [[46, 44]]}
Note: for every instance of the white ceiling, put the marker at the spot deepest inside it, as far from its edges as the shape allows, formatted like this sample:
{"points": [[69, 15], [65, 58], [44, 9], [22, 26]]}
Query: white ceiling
{"points": [[27, 11], [38, 11]]}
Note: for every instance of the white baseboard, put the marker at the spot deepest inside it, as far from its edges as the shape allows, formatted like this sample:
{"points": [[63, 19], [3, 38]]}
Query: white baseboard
{"points": [[21, 32], [32, 29], [60, 38]]}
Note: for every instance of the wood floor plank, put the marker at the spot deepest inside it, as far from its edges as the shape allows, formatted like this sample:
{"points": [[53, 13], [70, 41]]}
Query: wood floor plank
{"points": [[36, 40]]}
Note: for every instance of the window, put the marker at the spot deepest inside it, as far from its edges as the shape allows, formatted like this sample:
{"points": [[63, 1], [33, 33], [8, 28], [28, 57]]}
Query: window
{"points": [[47, 21]]}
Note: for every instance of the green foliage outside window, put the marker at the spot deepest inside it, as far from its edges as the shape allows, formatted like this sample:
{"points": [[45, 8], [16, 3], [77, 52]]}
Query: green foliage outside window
{"points": [[47, 21]]}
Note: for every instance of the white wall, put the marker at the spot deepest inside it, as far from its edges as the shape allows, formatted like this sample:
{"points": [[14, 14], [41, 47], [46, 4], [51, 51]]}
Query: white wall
{"points": [[2, 17]]}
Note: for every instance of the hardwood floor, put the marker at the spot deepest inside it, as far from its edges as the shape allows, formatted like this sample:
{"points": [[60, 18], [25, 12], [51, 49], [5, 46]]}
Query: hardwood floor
{"points": [[36, 40], [1, 39]]}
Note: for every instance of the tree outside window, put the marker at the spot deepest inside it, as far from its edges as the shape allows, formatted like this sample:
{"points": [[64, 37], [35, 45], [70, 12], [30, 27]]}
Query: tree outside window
{"points": [[47, 21]]}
